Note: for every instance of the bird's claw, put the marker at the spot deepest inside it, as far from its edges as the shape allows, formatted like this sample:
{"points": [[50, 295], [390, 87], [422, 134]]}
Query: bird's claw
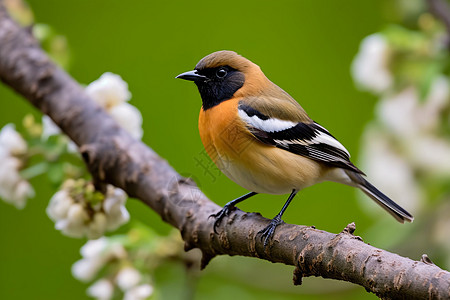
{"points": [[224, 212], [267, 232]]}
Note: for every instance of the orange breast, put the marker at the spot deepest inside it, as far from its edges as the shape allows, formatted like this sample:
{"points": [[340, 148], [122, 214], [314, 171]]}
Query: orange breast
{"points": [[222, 132], [248, 162]]}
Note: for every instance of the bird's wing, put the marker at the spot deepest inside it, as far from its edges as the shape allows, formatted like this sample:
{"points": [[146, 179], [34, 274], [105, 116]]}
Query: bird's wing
{"points": [[307, 139]]}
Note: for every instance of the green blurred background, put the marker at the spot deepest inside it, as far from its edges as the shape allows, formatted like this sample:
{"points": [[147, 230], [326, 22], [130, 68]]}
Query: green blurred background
{"points": [[306, 47]]}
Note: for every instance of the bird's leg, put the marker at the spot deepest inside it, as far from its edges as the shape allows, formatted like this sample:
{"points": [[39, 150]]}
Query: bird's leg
{"points": [[270, 229], [225, 211]]}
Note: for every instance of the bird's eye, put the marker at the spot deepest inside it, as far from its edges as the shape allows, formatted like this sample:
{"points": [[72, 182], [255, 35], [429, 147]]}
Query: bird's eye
{"points": [[221, 73]]}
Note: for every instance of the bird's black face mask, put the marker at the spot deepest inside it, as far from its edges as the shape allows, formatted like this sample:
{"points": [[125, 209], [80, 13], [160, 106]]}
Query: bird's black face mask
{"points": [[215, 84]]}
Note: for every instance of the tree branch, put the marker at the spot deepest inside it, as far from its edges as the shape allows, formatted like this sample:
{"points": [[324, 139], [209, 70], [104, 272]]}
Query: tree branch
{"points": [[114, 157]]}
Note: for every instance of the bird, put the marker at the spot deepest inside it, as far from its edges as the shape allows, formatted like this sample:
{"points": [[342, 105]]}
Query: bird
{"points": [[262, 139]]}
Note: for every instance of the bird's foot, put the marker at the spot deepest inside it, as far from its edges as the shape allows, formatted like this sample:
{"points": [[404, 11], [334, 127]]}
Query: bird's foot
{"points": [[224, 212], [267, 233]]}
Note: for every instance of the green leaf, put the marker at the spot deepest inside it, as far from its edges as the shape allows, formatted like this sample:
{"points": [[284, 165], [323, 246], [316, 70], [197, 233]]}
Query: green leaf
{"points": [[56, 173], [34, 170], [430, 72]]}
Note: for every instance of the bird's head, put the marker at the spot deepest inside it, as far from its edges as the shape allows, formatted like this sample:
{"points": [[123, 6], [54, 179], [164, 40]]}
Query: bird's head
{"points": [[223, 75]]}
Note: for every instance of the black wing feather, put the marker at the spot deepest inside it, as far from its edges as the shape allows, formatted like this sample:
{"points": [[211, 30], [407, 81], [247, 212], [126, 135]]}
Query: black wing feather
{"points": [[299, 140]]}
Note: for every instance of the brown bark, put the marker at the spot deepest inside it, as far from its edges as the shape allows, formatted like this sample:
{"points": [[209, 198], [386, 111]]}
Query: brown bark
{"points": [[114, 157]]}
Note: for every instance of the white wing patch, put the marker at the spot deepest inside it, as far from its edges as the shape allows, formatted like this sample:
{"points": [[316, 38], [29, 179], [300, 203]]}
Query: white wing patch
{"points": [[269, 125], [329, 140], [321, 138], [312, 139]]}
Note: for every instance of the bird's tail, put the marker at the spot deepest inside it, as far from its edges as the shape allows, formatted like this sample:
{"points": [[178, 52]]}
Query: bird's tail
{"points": [[381, 199]]}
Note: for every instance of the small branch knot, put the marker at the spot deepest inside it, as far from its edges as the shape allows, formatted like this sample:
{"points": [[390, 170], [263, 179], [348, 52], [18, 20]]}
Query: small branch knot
{"points": [[350, 228], [298, 276], [206, 258], [425, 259]]}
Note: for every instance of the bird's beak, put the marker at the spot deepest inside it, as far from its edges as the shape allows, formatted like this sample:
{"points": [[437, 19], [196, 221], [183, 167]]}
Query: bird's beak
{"points": [[192, 76]]}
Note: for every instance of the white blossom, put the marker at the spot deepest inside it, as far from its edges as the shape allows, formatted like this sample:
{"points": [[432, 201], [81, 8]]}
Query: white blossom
{"points": [[74, 216], [438, 98], [75, 221], [370, 67], [109, 90], [129, 118], [94, 248], [87, 268], [12, 141], [13, 188], [114, 207], [407, 116], [96, 253], [140, 292], [118, 216], [399, 112], [430, 154], [23, 191], [59, 205], [102, 289], [97, 226], [128, 278], [4, 153]]}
